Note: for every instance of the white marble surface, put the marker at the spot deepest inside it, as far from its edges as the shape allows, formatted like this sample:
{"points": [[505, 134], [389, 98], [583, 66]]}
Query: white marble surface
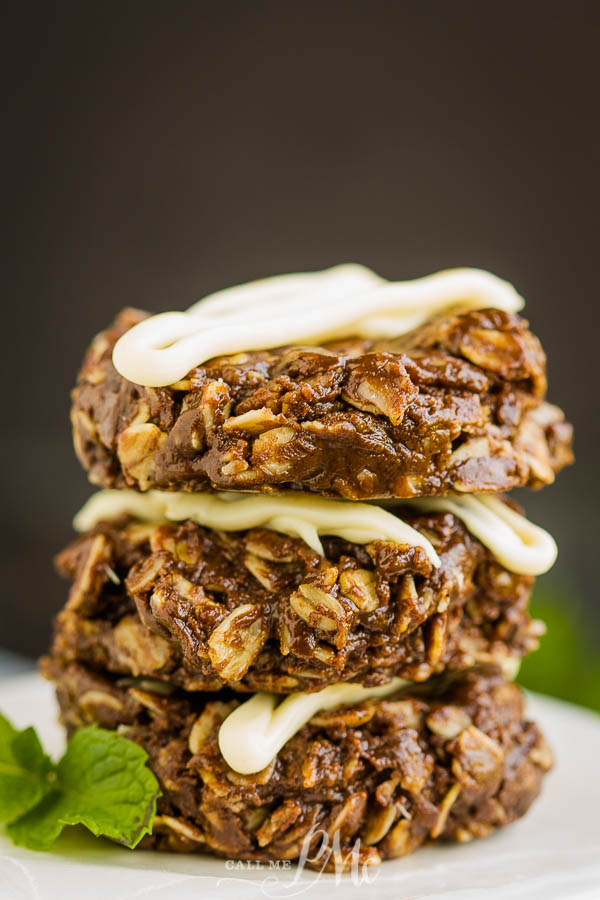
{"points": [[14, 664]]}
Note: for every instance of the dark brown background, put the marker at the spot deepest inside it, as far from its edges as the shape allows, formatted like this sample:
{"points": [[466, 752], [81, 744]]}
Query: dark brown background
{"points": [[158, 151]]}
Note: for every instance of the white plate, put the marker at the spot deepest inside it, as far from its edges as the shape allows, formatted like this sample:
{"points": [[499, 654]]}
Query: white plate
{"points": [[551, 854]]}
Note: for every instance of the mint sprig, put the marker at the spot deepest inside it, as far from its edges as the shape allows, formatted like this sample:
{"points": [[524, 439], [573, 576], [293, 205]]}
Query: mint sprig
{"points": [[101, 782], [25, 770]]}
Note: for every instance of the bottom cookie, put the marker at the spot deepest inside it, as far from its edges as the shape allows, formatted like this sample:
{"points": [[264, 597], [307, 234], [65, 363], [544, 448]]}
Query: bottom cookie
{"points": [[453, 761]]}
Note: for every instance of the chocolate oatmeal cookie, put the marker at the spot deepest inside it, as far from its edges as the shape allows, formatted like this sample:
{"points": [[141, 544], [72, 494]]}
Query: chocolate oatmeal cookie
{"points": [[458, 404], [381, 777], [258, 610]]}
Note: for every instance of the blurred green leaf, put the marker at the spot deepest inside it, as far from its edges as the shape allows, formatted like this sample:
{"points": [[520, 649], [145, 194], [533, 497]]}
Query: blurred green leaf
{"points": [[567, 664]]}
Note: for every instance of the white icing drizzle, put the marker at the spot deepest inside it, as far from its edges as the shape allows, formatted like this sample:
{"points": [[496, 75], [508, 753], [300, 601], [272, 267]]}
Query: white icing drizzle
{"points": [[306, 308], [105, 506], [295, 514], [515, 542], [254, 733]]}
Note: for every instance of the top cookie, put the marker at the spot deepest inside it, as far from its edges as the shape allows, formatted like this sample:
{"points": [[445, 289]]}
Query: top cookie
{"points": [[457, 404]]}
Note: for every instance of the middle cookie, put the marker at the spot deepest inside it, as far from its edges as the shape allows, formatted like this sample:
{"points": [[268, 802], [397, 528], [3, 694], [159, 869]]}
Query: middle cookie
{"points": [[202, 608]]}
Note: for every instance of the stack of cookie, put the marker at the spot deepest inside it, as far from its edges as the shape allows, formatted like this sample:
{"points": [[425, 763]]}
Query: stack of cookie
{"points": [[301, 588]]}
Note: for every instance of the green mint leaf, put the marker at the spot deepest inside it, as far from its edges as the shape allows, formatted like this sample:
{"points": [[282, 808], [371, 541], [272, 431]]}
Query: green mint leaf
{"points": [[26, 773], [102, 782]]}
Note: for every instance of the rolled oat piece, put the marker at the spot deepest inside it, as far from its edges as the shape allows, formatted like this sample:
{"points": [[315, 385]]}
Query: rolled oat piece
{"points": [[354, 785], [457, 404], [256, 609]]}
